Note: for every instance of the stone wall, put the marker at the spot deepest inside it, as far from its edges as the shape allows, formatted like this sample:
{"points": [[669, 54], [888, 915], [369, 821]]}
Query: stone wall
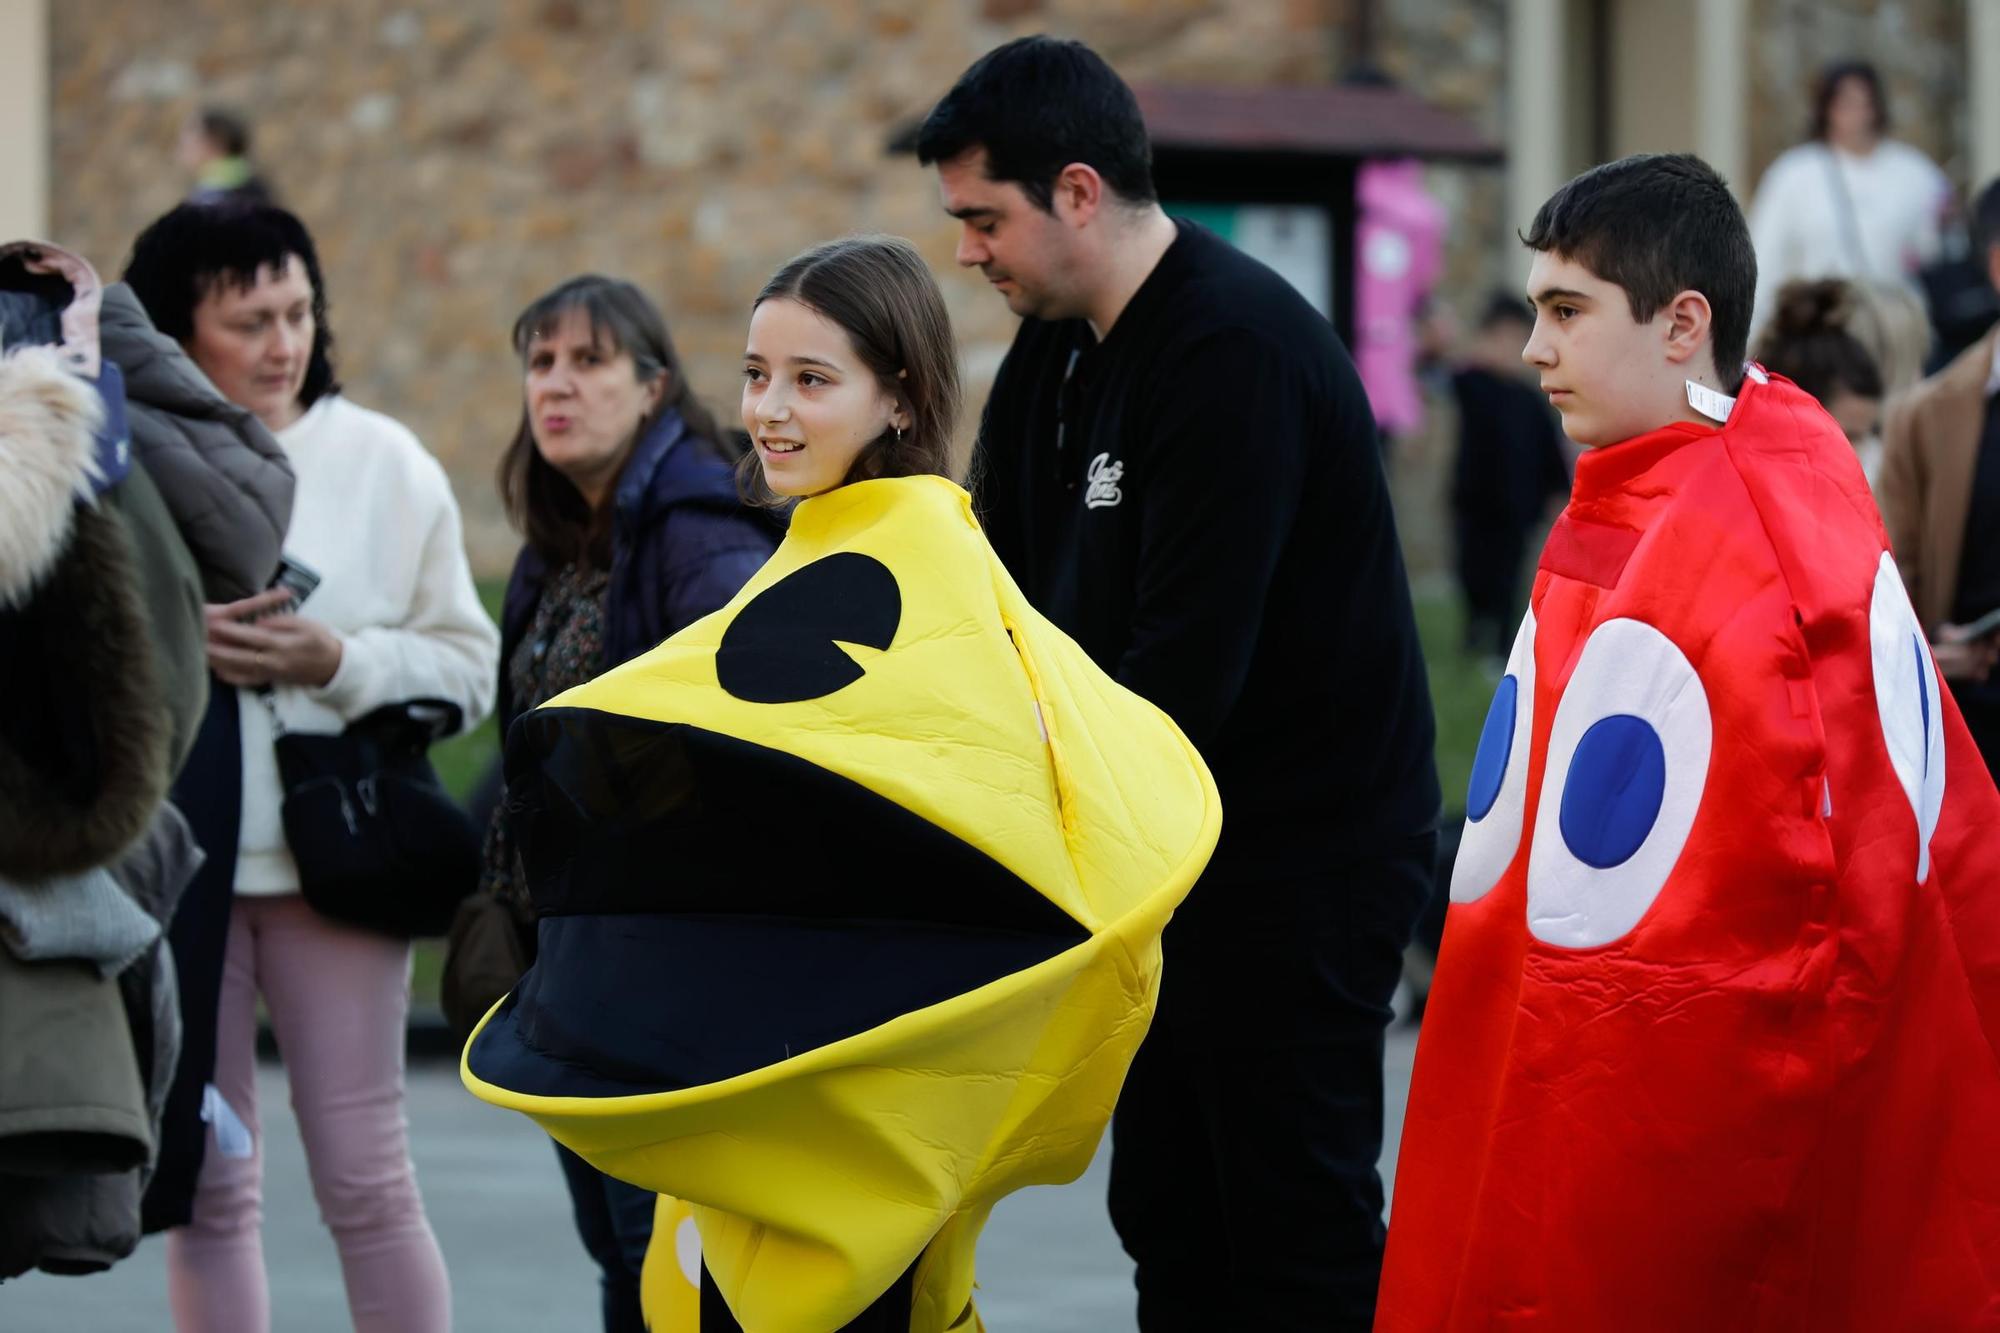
{"points": [[1919, 45], [456, 157]]}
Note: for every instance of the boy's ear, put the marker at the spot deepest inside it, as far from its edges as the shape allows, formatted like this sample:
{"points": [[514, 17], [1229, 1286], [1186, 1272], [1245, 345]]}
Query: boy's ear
{"points": [[1689, 324]]}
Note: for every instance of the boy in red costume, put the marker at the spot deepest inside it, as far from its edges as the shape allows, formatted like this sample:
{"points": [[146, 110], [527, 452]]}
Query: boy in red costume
{"points": [[1712, 1045]]}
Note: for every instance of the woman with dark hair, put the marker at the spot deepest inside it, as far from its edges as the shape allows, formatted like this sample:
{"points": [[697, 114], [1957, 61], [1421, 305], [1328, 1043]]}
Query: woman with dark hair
{"points": [[1850, 202], [850, 894], [620, 481], [393, 616], [1807, 340]]}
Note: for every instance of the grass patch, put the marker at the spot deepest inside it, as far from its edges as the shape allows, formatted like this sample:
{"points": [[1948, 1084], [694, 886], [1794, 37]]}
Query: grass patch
{"points": [[1460, 692]]}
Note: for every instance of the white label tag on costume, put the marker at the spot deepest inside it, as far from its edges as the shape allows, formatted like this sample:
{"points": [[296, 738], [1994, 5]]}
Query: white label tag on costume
{"points": [[1710, 403], [232, 1136]]}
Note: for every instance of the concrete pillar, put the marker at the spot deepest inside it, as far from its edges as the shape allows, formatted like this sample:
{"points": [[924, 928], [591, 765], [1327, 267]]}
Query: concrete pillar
{"points": [[1537, 137], [1722, 89], [1982, 32], [24, 110]]}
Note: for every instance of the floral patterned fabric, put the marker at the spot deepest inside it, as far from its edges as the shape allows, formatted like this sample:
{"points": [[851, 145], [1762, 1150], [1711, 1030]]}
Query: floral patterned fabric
{"points": [[563, 648]]}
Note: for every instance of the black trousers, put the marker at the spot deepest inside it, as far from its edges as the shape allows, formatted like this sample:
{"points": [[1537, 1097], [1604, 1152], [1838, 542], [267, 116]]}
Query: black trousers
{"points": [[615, 1221], [1244, 1147], [1489, 577]]}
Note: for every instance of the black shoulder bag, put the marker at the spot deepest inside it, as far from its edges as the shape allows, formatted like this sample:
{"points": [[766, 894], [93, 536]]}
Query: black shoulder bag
{"points": [[379, 842]]}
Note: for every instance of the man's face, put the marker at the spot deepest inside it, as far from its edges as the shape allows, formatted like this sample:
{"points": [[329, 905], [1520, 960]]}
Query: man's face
{"points": [[1027, 254], [1605, 373]]}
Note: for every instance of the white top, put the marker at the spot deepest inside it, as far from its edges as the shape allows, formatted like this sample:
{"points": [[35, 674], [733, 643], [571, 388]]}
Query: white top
{"points": [[374, 516], [1884, 227]]}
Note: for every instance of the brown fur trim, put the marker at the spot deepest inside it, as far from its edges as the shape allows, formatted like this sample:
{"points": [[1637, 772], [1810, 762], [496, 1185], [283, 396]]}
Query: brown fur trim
{"points": [[46, 419], [84, 731]]}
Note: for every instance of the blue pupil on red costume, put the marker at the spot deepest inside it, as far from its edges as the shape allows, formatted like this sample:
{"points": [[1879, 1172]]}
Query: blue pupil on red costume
{"points": [[1496, 742], [1923, 698], [1612, 796]]}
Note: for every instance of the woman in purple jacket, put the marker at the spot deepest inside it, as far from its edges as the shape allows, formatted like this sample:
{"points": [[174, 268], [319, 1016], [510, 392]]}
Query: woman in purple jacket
{"points": [[623, 485]]}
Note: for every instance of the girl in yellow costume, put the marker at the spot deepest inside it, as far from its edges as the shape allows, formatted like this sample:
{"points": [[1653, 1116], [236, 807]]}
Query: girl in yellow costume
{"points": [[850, 894]]}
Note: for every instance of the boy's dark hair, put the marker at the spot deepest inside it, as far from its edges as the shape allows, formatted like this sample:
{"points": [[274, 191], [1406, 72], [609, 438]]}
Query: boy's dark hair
{"points": [[188, 251], [1036, 105], [1986, 222], [1830, 80], [1659, 224]]}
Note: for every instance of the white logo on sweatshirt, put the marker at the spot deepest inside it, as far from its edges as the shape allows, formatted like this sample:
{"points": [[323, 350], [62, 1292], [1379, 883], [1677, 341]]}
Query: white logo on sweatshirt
{"points": [[1103, 476]]}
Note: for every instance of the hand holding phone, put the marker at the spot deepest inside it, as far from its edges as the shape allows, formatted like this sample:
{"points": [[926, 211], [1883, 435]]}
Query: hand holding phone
{"points": [[297, 577], [1985, 627]]}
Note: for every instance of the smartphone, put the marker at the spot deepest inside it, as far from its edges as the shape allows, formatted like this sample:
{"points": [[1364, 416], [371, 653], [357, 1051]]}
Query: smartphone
{"points": [[1985, 627], [297, 577]]}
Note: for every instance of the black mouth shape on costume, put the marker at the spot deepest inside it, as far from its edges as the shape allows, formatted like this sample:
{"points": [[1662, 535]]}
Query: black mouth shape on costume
{"points": [[784, 647], [711, 906]]}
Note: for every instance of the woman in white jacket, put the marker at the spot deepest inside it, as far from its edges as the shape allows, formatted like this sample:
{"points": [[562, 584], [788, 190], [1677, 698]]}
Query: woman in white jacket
{"points": [[1850, 202], [394, 616]]}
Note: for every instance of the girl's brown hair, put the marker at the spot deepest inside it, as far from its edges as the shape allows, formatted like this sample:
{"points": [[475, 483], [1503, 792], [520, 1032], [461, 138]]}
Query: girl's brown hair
{"points": [[881, 293], [543, 504]]}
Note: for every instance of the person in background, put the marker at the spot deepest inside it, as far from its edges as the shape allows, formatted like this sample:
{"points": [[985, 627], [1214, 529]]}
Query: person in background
{"points": [[1807, 341], [395, 616], [214, 146], [622, 483], [1179, 467], [1510, 464], [1889, 321], [1850, 202], [1940, 494]]}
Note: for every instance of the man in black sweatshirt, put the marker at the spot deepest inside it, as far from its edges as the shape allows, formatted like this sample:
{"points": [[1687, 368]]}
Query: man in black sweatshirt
{"points": [[1178, 465]]}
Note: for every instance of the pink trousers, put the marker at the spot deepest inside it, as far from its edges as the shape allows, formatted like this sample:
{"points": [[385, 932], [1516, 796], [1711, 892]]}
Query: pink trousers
{"points": [[338, 999]]}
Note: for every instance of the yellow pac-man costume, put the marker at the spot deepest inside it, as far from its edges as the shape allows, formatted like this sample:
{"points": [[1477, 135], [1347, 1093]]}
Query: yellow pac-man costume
{"points": [[851, 897]]}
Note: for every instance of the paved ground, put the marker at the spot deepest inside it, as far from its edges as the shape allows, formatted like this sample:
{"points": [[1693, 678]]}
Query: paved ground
{"points": [[1048, 1263]]}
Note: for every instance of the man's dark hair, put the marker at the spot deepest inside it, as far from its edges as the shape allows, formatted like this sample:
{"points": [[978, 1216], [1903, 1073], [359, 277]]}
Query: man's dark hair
{"points": [[187, 252], [1504, 307], [1830, 80], [1036, 105], [1659, 224], [227, 130], [1986, 223]]}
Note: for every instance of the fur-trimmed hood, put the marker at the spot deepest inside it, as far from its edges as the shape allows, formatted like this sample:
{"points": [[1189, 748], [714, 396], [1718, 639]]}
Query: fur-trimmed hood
{"points": [[46, 419], [84, 736]]}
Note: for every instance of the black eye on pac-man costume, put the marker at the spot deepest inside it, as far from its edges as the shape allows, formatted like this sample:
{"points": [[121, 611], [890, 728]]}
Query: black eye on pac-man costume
{"points": [[850, 900]]}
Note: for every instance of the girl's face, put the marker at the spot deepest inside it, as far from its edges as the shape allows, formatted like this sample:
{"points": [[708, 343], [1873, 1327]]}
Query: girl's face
{"points": [[585, 403], [254, 343], [809, 401]]}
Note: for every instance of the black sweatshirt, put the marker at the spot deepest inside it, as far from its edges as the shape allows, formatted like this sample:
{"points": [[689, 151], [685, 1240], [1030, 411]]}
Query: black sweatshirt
{"points": [[1202, 507]]}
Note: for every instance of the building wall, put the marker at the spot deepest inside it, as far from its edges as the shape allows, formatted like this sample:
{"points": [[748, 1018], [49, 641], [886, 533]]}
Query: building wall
{"points": [[24, 109], [457, 157], [1919, 45]]}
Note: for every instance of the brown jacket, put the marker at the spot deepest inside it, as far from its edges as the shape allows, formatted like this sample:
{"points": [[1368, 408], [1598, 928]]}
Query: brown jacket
{"points": [[1930, 451]]}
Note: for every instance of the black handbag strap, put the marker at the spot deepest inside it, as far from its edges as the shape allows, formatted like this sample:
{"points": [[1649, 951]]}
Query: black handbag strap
{"points": [[269, 698]]}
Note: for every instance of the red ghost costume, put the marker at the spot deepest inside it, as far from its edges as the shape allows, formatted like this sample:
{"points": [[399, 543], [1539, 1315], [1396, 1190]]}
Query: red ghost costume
{"points": [[1712, 1044]]}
